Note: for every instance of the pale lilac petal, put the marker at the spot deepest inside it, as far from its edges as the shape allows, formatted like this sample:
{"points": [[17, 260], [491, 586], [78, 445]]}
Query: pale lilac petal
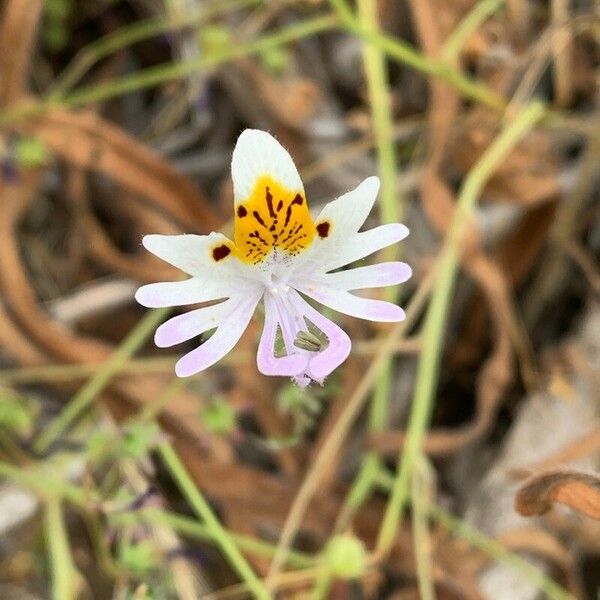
{"points": [[302, 381], [326, 361], [190, 324], [344, 302], [365, 243], [371, 276], [268, 364], [221, 342], [180, 293]]}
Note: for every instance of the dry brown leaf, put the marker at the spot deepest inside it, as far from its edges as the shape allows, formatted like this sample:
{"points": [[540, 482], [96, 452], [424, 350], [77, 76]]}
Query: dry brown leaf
{"points": [[20, 20], [576, 489], [89, 142]]}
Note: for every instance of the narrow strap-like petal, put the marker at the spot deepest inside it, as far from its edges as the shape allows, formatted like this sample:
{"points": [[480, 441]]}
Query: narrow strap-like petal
{"points": [[363, 244], [337, 223], [180, 293], [268, 363], [371, 276], [344, 302], [190, 324], [323, 363], [221, 342], [347, 213]]}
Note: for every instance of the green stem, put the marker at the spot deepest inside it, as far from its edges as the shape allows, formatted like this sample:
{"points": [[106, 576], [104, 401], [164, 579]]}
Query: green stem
{"points": [[496, 550], [435, 319], [390, 212], [192, 528], [46, 485], [127, 36], [406, 54], [422, 488], [170, 71], [204, 511], [88, 393], [57, 541], [468, 26], [488, 545]]}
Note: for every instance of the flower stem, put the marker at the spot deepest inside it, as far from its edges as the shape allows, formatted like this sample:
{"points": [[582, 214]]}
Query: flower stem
{"points": [[406, 54], [170, 71], [205, 512], [495, 549], [468, 25], [390, 212], [435, 319], [192, 528], [63, 572], [88, 393], [127, 36]]}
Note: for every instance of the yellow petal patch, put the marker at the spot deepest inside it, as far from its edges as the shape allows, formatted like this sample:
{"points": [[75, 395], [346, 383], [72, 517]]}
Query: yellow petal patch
{"points": [[272, 218]]}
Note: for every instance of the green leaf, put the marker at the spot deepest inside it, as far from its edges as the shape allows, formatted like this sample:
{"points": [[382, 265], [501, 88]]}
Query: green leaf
{"points": [[15, 414], [138, 558], [218, 417], [31, 152]]}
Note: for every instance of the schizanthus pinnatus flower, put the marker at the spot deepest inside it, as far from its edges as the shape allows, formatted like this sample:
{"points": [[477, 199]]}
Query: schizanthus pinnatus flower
{"points": [[278, 253]]}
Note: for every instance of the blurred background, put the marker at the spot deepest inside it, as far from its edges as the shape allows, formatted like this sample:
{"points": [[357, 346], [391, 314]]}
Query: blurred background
{"points": [[452, 456]]}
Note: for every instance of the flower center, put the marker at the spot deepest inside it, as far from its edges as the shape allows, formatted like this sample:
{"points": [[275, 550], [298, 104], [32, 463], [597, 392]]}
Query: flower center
{"points": [[272, 219]]}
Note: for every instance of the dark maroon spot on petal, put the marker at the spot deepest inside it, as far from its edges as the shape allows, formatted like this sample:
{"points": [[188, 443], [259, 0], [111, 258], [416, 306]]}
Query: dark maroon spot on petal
{"points": [[270, 203], [279, 205], [220, 252], [241, 212], [298, 199], [323, 229], [258, 218]]}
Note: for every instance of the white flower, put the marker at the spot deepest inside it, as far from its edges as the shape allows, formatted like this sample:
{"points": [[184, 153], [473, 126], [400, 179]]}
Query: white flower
{"points": [[278, 253]]}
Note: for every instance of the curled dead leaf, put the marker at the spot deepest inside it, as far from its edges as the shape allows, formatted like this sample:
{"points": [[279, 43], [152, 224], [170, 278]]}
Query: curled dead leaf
{"points": [[576, 489]]}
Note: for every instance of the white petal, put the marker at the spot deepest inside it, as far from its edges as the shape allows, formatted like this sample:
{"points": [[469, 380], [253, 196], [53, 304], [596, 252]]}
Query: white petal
{"points": [[193, 254], [258, 153], [268, 364], [344, 302], [363, 244], [188, 325], [347, 214], [221, 342], [180, 293], [371, 276]]}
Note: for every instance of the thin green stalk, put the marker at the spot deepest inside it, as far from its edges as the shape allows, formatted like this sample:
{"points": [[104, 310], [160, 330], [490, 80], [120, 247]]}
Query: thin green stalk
{"points": [[322, 585], [217, 532], [435, 319], [468, 26], [161, 364], [89, 392], [488, 545], [192, 528], [406, 54], [57, 542], [545, 584], [46, 485], [170, 71], [422, 496], [93, 53], [391, 204]]}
